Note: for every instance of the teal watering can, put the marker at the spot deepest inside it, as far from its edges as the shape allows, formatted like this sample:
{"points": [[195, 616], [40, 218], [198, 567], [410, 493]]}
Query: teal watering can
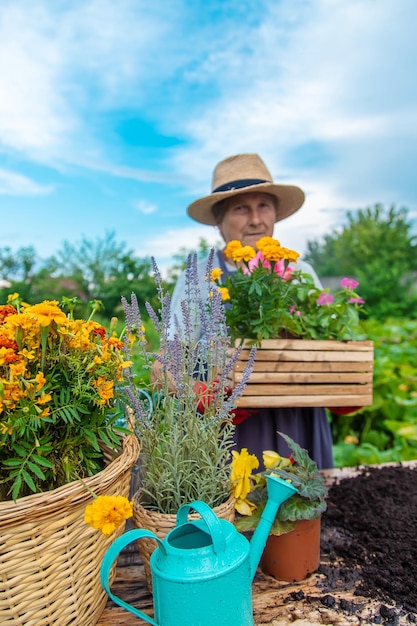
{"points": [[202, 571]]}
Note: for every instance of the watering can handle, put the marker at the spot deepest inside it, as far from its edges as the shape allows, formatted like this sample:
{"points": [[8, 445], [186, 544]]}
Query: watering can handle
{"points": [[109, 558], [211, 520]]}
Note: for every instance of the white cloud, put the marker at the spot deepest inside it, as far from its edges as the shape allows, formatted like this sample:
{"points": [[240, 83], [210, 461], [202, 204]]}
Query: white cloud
{"points": [[337, 74], [63, 66], [144, 207], [15, 184]]}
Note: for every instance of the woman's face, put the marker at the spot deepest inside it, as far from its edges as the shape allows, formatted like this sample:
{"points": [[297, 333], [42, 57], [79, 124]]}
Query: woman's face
{"points": [[248, 217]]}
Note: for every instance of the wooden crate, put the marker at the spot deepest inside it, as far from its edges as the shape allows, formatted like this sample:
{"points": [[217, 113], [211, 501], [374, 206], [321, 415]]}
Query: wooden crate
{"points": [[298, 372]]}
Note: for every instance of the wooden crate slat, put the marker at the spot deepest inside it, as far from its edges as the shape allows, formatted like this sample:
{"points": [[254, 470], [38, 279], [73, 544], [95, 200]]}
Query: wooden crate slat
{"points": [[302, 390], [313, 344], [293, 366], [307, 355], [267, 402], [306, 377]]}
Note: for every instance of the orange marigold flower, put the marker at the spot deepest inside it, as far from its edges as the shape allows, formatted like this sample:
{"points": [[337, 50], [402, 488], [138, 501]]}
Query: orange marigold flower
{"points": [[40, 380], [7, 355], [231, 247], [106, 513], [99, 330], [47, 312], [244, 253], [5, 342], [105, 389], [44, 398], [273, 252], [266, 241], [5, 311], [291, 255], [115, 342]]}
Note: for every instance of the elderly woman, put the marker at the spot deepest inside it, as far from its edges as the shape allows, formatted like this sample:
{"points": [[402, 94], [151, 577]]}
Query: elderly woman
{"points": [[244, 204]]}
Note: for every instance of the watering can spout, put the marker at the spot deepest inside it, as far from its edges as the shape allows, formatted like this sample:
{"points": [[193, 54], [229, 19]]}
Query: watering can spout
{"points": [[278, 492]]}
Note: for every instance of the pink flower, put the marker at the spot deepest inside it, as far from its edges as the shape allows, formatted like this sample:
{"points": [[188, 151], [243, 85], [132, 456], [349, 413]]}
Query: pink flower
{"points": [[357, 300], [349, 283], [257, 260], [294, 311], [325, 298], [279, 268]]}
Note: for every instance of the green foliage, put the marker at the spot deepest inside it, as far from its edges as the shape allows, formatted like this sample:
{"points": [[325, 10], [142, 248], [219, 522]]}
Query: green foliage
{"points": [[387, 430], [100, 269], [376, 246], [57, 397]]}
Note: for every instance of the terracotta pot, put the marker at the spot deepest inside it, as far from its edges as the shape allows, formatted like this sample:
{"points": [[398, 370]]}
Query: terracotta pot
{"points": [[294, 555]]}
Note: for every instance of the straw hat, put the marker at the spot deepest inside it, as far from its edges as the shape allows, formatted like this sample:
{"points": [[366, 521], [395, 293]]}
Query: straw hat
{"points": [[244, 173]]}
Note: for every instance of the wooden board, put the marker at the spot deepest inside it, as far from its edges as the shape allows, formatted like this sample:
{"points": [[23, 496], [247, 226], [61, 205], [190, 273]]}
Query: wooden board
{"points": [[298, 372]]}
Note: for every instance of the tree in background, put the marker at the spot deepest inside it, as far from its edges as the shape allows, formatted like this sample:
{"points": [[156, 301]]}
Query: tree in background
{"points": [[100, 269], [17, 269], [376, 247]]}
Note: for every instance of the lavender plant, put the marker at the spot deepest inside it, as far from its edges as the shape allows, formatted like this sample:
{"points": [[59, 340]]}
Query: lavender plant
{"points": [[184, 421]]}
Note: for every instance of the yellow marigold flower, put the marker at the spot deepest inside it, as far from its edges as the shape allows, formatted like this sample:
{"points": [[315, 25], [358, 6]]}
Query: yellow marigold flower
{"points": [[266, 241], [106, 513], [290, 255], [17, 369], [224, 292], [105, 389], [215, 274], [115, 342], [6, 429], [231, 247], [273, 252], [244, 253], [242, 465], [44, 398], [40, 380], [47, 312]]}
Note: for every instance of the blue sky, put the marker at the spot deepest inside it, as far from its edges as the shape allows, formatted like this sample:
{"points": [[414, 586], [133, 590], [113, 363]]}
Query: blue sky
{"points": [[113, 114]]}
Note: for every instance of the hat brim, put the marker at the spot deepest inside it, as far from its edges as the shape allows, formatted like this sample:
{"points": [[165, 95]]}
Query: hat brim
{"points": [[290, 199]]}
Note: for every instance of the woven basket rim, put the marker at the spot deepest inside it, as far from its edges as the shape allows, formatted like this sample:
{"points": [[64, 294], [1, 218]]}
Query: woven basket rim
{"points": [[38, 506]]}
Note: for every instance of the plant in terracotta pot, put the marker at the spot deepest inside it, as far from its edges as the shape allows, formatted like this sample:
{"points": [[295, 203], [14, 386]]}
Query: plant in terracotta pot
{"points": [[184, 417], [297, 520]]}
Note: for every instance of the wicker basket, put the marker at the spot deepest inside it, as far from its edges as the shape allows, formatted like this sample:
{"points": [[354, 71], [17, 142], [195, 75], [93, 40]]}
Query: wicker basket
{"points": [[302, 372], [162, 523], [50, 558]]}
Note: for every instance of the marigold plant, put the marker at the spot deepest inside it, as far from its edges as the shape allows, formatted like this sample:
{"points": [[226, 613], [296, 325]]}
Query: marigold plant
{"points": [[268, 297], [58, 381]]}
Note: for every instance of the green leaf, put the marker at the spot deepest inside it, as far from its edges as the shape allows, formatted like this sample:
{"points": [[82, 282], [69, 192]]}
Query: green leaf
{"points": [[40, 460], [36, 470], [28, 480], [16, 487]]}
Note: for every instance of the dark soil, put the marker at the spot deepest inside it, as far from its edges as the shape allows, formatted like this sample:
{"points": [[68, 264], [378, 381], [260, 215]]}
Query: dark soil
{"points": [[369, 539]]}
